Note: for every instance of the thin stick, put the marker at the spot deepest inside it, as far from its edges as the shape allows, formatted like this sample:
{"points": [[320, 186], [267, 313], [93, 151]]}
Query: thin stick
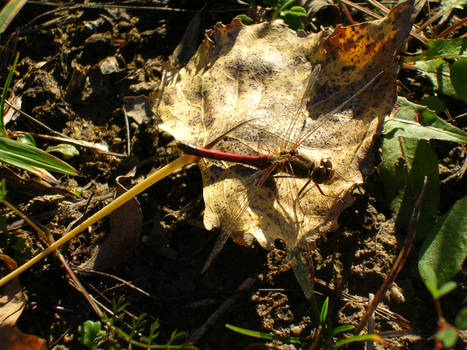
{"points": [[38, 122], [127, 127], [126, 283], [152, 179], [451, 28]]}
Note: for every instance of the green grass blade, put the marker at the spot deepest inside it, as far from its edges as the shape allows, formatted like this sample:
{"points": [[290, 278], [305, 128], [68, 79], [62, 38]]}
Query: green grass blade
{"points": [[341, 329], [359, 338], [30, 158], [324, 312], [4, 93], [9, 12], [267, 336]]}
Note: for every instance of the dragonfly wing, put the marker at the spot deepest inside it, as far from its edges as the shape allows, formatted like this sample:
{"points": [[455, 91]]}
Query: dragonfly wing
{"points": [[249, 205], [220, 242], [226, 196]]}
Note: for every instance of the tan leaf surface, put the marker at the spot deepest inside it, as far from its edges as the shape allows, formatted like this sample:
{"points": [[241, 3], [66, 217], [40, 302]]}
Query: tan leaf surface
{"points": [[12, 303], [260, 73]]}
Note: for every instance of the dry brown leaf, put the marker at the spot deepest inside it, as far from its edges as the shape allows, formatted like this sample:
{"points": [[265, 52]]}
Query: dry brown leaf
{"points": [[11, 113], [126, 225], [137, 108], [11, 306], [259, 74]]}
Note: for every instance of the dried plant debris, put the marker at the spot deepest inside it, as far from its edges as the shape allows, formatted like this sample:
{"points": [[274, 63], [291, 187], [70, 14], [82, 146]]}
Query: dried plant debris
{"points": [[12, 304]]}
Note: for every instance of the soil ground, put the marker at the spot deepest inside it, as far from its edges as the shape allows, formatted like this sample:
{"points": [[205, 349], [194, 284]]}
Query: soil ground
{"points": [[173, 246]]}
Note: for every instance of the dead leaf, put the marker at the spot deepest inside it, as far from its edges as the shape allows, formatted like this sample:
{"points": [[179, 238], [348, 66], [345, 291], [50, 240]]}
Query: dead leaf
{"points": [[11, 112], [12, 304], [125, 231], [257, 75], [137, 108]]}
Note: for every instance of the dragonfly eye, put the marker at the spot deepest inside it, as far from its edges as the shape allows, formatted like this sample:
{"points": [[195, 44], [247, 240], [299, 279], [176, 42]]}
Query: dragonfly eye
{"points": [[326, 162]]}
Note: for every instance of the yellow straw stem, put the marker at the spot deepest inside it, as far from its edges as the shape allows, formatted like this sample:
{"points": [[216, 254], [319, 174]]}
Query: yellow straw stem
{"points": [[122, 199]]}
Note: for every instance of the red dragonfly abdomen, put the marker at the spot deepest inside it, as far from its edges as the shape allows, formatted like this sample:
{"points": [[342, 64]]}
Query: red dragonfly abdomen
{"points": [[261, 161]]}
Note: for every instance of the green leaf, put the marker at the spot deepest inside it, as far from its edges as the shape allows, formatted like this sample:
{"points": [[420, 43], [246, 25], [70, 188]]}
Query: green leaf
{"points": [[432, 64], [281, 6], [294, 17], [324, 312], [9, 12], [27, 139], [448, 336], [442, 48], [429, 278], [245, 19], [461, 319], [445, 248], [405, 164], [66, 150], [153, 333], [341, 329], [459, 78], [91, 334], [297, 11], [438, 71], [446, 288], [434, 103], [30, 158], [418, 122]]}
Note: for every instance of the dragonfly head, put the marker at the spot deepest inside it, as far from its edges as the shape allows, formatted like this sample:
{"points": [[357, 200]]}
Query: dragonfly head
{"points": [[323, 173]]}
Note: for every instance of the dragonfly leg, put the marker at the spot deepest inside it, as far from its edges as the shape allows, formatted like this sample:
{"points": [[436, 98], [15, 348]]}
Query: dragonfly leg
{"points": [[328, 195], [305, 186]]}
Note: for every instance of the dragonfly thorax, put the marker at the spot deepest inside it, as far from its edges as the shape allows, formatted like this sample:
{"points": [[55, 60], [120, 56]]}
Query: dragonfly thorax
{"points": [[299, 165]]}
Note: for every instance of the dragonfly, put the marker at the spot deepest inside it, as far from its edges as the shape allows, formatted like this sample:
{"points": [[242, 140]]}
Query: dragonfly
{"points": [[289, 161]]}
